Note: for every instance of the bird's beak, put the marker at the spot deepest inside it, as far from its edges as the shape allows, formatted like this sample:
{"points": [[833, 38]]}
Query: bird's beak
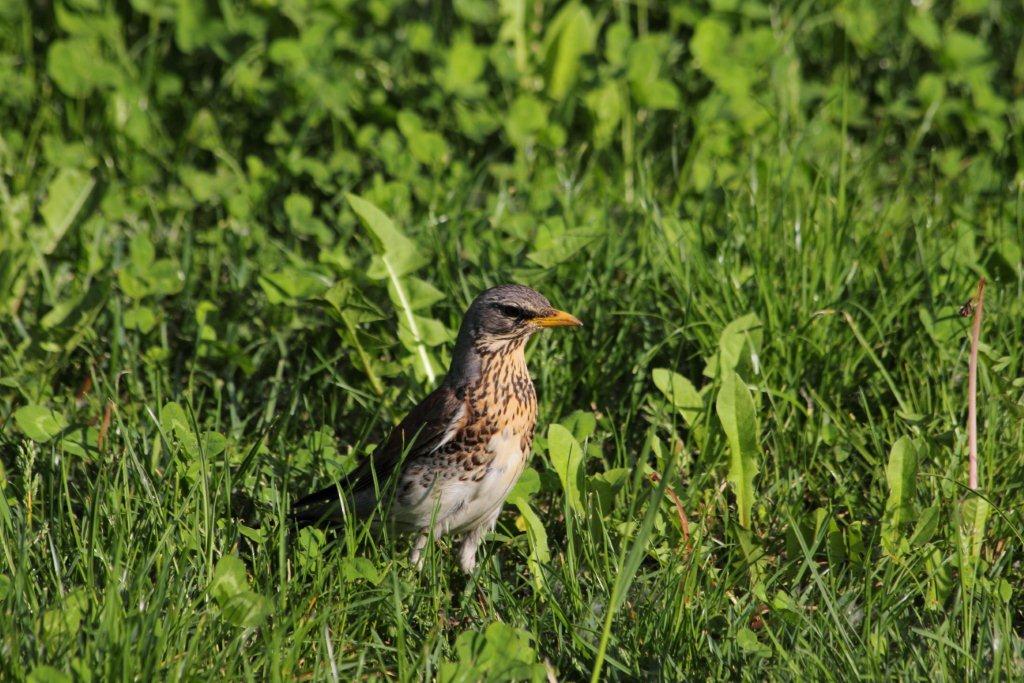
{"points": [[557, 318]]}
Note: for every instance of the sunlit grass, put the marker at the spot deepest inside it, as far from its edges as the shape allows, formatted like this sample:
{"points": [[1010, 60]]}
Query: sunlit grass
{"points": [[188, 411]]}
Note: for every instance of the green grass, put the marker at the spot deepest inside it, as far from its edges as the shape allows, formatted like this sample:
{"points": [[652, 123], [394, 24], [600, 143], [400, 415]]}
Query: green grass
{"points": [[185, 348]]}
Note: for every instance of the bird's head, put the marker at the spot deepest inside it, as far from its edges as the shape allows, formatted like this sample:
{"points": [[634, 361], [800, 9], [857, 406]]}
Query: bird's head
{"points": [[511, 313]]}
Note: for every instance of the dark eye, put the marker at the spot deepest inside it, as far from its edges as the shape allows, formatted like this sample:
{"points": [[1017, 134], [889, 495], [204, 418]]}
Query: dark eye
{"points": [[512, 311]]}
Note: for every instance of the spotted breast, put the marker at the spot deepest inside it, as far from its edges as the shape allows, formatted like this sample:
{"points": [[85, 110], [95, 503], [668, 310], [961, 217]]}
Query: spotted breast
{"points": [[462, 485]]}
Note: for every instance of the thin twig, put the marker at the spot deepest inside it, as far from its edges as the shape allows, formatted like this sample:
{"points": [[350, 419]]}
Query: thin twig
{"points": [[972, 388], [684, 521], [101, 439]]}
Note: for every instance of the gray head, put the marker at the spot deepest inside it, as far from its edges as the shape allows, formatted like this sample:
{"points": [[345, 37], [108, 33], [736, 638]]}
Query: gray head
{"points": [[503, 317], [511, 312]]}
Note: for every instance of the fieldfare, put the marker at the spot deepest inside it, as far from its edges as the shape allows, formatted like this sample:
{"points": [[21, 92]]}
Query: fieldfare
{"points": [[448, 466]]}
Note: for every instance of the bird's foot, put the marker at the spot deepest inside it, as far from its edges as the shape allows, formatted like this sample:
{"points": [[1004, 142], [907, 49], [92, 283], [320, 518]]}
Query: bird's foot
{"points": [[467, 559], [416, 556]]}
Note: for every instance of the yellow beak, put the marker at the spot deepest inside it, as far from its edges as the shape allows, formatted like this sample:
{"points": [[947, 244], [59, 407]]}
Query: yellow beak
{"points": [[557, 319]]}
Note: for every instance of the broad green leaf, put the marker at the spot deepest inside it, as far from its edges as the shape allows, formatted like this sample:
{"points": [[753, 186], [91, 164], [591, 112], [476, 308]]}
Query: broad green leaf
{"points": [[739, 344], [570, 35], [78, 67], [1005, 591], [927, 525], [526, 118], [106, 26], [856, 549], [290, 284], [204, 132], [356, 568], [44, 673], [194, 28], [931, 89], [246, 609], [606, 485], [555, 244], [657, 94], [528, 484], [478, 122], [755, 557], [426, 146], [480, 12], [399, 255], [499, 653], [749, 643], [382, 228], [514, 31], [165, 277], [338, 255], [229, 586], [82, 442], [79, 322], [345, 299], [132, 285], [922, 25], [205, 314], [65, 198], [834, 543], [961, 49], [581, 423], [536, 537], [681, 394], [617, 40], [256, 535], [968, 7], [973, 516], [735, 409], [142, 252], [429, 332], [141, 318], [567, 460], [214, 443], [418, 293], [901, 477], [299, 209], [605, 105], [229, 579], [76, 310], [464, 64], [940, 579], [175, 423], [60, 312], [860, 20], [39, 424], [645, 59], [66, 618], [645, 63]]}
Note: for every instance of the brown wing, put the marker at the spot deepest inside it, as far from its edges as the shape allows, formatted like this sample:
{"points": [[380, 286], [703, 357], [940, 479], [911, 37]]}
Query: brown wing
{"points": [[437, 417]]}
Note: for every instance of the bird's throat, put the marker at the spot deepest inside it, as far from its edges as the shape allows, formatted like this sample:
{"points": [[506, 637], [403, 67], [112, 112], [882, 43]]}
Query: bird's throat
{"points": [[511, 399]]}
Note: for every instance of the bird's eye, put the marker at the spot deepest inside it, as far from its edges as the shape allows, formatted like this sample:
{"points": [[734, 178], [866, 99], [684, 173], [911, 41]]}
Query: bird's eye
{"points": [[512, 311]]}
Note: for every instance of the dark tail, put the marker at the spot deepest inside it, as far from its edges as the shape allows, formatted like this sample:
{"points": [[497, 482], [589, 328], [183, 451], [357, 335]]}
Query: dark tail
{"points": [[323, 505]]}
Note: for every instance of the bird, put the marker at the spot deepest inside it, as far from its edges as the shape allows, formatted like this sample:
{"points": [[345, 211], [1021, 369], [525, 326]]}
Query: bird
{"points": [[448, 466]]}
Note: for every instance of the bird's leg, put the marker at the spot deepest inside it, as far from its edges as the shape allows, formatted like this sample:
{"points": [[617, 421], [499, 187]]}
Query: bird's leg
{"points": [[471, 541], [470, 544], [416, 556]]}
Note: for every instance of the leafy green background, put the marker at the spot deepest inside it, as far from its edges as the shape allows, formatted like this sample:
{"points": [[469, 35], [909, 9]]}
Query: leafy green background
{"points": [[236, 240]]}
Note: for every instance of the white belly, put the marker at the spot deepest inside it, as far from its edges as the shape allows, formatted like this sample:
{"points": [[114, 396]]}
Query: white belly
{"points": [[456, 506]]}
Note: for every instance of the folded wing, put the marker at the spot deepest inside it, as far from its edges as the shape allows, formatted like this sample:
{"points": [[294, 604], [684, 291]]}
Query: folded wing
{"points": [[433, 422]]}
